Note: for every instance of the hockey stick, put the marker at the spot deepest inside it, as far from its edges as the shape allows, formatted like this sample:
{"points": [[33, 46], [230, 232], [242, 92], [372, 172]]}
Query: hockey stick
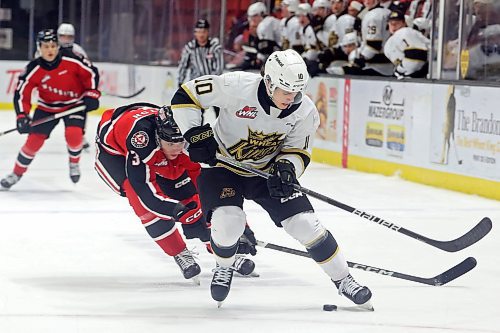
{"points": [[125, 96], [438, 280], [472, 236], [49, 118]]}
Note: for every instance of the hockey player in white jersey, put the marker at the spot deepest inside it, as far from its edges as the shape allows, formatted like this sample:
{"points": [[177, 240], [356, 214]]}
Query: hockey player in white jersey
{"points": [[268, 122], [407, 48], [268, 30], [374, 34], [66, 39], [290, 26], [308, 35]]}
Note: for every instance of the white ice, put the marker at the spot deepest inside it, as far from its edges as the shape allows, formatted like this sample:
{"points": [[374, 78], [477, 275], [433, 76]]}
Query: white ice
{"points": [[74, 258]]}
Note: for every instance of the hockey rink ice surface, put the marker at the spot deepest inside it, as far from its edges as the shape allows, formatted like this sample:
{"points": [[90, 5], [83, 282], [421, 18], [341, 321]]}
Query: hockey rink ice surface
{"points": [[74, 258]]}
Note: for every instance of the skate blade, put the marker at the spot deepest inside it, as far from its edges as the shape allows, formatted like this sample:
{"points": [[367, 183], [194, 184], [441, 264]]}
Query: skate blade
{"points": [[196, 280], [219, 304], [254, 274], [366, 307]]}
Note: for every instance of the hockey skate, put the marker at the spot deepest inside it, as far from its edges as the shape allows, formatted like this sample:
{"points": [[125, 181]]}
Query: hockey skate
{"points": [[8, 181], [74, 172], [190, 269], [221, 283], [360, 295], [244, 266]]}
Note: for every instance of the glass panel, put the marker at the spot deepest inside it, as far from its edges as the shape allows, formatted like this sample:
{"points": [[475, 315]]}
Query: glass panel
{"points": [[14, 29], [480, 56], [451, 42]]}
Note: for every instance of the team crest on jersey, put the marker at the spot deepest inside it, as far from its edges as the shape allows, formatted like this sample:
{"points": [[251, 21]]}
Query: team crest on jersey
{"points": [[257, 145], [247, 112], [227, 192], [140, 139]]}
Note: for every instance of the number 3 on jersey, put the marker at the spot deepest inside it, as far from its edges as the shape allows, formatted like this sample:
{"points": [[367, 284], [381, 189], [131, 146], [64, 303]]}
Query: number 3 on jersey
{"points": [[203, 86]]}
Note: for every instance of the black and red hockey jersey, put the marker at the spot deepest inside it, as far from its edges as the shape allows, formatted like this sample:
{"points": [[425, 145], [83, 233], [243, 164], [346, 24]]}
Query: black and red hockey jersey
{"points": [[61, 84], [131, 132]]}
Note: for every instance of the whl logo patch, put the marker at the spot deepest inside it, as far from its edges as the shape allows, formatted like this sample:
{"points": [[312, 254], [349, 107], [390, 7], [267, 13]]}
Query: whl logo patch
{"points": [[248, 112]]}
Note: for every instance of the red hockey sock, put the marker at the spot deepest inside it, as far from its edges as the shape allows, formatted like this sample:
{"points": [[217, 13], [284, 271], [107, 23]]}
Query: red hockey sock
{"points": [[74, 139], [27, 153], [173, 244]]}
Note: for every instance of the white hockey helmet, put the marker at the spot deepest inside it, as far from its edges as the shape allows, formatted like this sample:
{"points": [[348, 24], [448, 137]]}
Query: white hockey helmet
{"points": [[258, 8], [66, 34], [292, 5], [304, 9], [286, 70], [66, 29], [321, 4], [350, 38]]}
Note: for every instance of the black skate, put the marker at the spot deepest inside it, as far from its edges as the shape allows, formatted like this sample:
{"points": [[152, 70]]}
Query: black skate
{"points": [[244, 266], [190, 269], [74, 172], [353, 290], [8, 181], [221, 283]]}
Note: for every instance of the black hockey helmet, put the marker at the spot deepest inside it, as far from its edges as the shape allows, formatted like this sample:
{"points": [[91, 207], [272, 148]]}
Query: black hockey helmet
{"points": [[166, 126], [46, 35]]}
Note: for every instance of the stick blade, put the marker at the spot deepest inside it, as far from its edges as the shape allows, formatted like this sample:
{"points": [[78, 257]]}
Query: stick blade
{"points": [[455, 272], [471, 237]]}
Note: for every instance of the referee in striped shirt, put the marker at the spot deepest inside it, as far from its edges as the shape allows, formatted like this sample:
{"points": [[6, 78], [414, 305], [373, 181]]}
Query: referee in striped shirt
{"points": [[200, 56]]}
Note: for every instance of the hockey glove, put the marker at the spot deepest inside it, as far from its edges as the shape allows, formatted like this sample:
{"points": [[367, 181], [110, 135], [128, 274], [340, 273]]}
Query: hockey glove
{"points": [[23, 123], [360, 62], [280, 183], [90, 103], [185, 213], [202, 145], [247, 242], [199, 230]]}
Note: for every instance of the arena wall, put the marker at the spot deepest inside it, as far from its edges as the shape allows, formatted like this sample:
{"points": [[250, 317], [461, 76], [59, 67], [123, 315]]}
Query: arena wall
{"points": [[412, 130]]}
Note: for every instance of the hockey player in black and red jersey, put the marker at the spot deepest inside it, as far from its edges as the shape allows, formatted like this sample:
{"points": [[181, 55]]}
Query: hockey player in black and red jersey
{"points": [[63, 82], [140, 156], [268, 123]]}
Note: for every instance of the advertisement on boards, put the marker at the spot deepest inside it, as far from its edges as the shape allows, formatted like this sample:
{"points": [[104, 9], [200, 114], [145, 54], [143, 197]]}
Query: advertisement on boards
{"points": [[380, 121], [327, 95], [465, 131]]}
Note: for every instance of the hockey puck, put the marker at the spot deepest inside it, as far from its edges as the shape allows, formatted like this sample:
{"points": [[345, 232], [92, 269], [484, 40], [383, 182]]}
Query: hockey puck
{"points": [[329, 307]]}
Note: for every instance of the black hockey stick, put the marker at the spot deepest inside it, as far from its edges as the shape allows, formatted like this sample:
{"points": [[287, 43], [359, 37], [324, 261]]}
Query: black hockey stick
{"points": [[438, 280], [49, 118], [472, 236], [125, 96]]}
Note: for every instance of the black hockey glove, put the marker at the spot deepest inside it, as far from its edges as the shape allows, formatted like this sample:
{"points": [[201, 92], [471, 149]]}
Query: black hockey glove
{"points": [[90, 103], [247, 242], [198, 229], [360, 62], [281, 180], [181, 211], [23, 123], [202, 145]]}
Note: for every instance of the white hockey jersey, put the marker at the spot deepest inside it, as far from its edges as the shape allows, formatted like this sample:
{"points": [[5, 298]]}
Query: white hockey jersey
{"points": [[331, 38], [344, 25], [407, 49], [374, 32], [310, 43], [290, 32], [269, 29], [248, 129]]}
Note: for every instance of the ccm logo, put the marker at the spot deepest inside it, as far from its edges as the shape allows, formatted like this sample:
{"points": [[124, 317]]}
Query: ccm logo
{"points": [[194, 217], [201, 136], [182, 183]]}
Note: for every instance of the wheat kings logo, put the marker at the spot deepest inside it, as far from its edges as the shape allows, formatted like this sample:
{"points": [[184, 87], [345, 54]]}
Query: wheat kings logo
{"points": [[256, 146]]}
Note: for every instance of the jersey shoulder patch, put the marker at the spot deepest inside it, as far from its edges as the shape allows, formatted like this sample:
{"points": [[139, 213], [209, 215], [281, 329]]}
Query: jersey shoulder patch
{"points": [[139, 139]]}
